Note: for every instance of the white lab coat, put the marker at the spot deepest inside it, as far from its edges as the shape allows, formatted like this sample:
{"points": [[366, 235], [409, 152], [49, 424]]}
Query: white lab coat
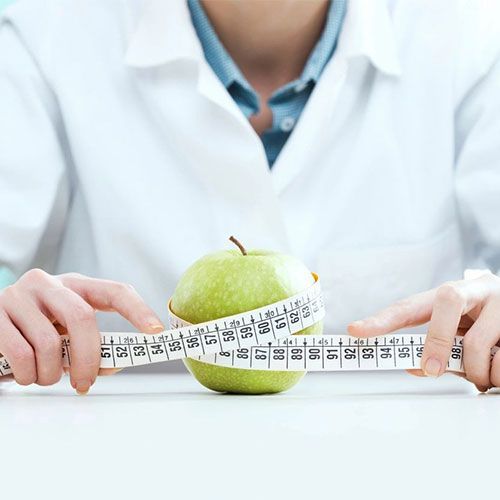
{"points": [[122, 156]]}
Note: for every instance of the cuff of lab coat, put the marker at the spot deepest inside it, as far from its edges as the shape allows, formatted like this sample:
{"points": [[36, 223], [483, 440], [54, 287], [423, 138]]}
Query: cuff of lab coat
{"points": [[470, 274]]}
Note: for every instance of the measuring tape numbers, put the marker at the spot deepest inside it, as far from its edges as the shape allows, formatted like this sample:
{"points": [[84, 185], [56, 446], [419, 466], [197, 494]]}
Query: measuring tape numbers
{"points": [[262, 339], [240, 331], [334, 353]]}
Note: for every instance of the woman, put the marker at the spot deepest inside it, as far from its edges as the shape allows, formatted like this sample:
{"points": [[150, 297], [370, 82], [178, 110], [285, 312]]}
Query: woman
{"points": [[361, 136]]}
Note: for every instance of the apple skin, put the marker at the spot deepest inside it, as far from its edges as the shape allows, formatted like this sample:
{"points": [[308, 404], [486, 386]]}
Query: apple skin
{"points": [[226, 283]]}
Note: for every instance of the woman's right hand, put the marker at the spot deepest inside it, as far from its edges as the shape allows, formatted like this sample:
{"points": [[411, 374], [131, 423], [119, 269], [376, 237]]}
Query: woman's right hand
{"points": [[32, 308]]}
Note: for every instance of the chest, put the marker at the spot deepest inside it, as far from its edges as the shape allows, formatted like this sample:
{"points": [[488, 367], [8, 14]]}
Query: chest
{"points": [[366, 148], [362, 189]]}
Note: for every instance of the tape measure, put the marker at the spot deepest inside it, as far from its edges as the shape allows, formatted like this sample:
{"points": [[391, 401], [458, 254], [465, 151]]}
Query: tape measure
{"points": [[261, 339]]}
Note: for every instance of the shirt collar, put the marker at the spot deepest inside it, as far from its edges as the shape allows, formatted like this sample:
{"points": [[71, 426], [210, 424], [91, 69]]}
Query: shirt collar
{"points": [[227, 70], [326, 44], [215, 52], [165, 33]]}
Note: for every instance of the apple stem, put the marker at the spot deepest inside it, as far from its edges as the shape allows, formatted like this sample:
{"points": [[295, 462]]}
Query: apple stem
{"points": [[238, 244]]}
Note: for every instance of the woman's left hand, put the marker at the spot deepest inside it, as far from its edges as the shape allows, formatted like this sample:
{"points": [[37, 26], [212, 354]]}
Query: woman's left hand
{"points": [[469, 307]]}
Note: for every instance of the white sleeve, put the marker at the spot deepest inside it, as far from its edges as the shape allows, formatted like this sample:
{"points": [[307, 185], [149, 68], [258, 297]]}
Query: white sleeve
{"points": [[478, 169], [34, 187]]}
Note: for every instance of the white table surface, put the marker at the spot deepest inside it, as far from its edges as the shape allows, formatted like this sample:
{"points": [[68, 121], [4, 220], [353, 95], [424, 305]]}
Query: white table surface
{"points": [[335, 435]]}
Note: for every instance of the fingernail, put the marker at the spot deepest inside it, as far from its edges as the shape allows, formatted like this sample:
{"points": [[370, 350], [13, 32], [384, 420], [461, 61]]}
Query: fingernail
{"points": [[359, 322], [82, 386], [432, 367], [154, 325]]}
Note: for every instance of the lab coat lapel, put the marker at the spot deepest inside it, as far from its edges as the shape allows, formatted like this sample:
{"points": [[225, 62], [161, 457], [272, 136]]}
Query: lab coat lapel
{"points": [[165, 34], [238, 176], [212, 89], [232, 163], [217, 141], [367, 32], [311, 127]]}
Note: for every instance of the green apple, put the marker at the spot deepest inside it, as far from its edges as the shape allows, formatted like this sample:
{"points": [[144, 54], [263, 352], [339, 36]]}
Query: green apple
{"points": [[234, 281]]}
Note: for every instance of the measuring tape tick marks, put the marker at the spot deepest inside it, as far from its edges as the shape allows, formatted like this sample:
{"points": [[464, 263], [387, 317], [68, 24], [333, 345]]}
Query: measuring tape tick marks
{"points": [[261, 339]]}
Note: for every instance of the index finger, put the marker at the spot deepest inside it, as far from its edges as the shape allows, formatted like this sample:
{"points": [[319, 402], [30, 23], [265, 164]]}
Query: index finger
{"points": [[412, 311], [108, 295]]}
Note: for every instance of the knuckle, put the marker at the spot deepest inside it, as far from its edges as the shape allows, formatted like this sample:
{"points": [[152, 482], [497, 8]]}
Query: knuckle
{"points": [[449, 294], [439, 341], [22, 359], [34, 275], [22, 354], [56, 295], [48, 345], [81, 312], [120, 288], [9, 293]]}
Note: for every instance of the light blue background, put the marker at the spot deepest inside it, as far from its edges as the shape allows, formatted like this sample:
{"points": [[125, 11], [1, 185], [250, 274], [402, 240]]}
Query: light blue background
{"points": [[4, 3]]}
